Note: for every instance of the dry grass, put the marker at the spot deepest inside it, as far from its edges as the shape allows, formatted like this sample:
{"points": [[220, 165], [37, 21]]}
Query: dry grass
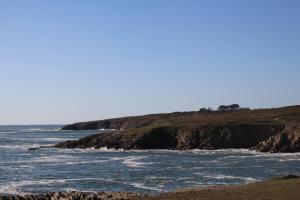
{"points": [[279, 189]]}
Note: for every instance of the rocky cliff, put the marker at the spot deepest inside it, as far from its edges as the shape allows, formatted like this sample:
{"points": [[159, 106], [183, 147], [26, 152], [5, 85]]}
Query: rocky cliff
{"points": [[287, 140], [272, 130], [176, 137]]}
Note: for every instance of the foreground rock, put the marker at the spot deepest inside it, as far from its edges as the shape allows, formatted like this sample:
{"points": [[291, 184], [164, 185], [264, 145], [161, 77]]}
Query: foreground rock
{"points": [[286, 188], [74, 195]]}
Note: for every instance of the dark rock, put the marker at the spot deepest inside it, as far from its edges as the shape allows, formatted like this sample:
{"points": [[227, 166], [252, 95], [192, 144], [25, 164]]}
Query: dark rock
{"points": [[177, 137], [73, 195], [283, 142], [290, 176], [270, 130]]}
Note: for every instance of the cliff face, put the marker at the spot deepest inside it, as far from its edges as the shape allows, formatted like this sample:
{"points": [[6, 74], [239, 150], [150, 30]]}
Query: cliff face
{"points": [[201, 137], [286, 141], [272, 130], [227, 136], [281, 143]]}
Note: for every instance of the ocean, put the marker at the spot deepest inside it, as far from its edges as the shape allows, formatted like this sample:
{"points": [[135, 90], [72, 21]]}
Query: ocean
{"points": [[144, 171]]}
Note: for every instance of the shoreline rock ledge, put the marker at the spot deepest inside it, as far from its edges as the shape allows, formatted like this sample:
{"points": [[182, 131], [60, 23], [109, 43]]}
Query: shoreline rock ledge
{"points": [[74, 195], [266, 130], [180, 138]]}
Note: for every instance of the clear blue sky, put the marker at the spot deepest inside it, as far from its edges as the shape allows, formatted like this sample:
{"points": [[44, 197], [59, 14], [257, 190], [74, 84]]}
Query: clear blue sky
{"points": [[67, 61]]}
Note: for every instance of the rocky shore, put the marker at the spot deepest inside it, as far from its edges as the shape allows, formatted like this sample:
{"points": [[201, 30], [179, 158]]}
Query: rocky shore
{"points": [[266, 130], [74, 195], [180, 138], [286, 188]]}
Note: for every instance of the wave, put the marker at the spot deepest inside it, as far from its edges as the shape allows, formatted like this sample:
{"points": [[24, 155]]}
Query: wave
{"points": [[52, 139], [222, 176], [23, 146], [5, 132], [143, 186], [39, 129], [196, 151], [90, 150], [16, 187], [86, 162], [55, 159], [30, 130], [133, 161], [13, 187]]}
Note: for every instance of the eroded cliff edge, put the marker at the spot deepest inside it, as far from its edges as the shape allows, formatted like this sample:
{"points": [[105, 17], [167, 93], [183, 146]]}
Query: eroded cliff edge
{"points": [[268, 130]]}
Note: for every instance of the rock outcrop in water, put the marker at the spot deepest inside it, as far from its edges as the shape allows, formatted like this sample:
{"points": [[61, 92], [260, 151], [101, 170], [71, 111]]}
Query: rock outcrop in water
{"points": [[169, 137], [283, 142], [74, 195], [272, 130]]}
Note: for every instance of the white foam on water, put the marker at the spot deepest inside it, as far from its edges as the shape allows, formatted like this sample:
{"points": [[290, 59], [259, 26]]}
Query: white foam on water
{"points": [[86, 162], [117, 158], [142, 186], [51, 139], [38, 130], [195, 151], [105, 149], [268, 154], [289, 159], [157, 177], [45, 159], [225, 151], [55, 159], [90, 150], [281, 157], [23, 147], [222, 176], [134, 161], [16, 187], [5, 132]]}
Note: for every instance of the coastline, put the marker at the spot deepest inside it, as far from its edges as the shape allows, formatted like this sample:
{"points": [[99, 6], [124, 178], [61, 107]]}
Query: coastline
{"points": [[286, 188], [266, 130]]}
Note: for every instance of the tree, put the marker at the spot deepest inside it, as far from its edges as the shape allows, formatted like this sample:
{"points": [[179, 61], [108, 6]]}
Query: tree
{"points": [[228, 108], [202, 110], [205, 110], [222, 107], [210, 109], [234, 106]]}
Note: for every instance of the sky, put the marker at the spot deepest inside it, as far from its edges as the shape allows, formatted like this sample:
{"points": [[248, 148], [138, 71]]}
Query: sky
{"points": [[64, 61]]}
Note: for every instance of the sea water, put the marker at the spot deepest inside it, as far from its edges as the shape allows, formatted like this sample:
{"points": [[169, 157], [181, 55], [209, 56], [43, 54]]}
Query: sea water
{"points": [[143, 171]]}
